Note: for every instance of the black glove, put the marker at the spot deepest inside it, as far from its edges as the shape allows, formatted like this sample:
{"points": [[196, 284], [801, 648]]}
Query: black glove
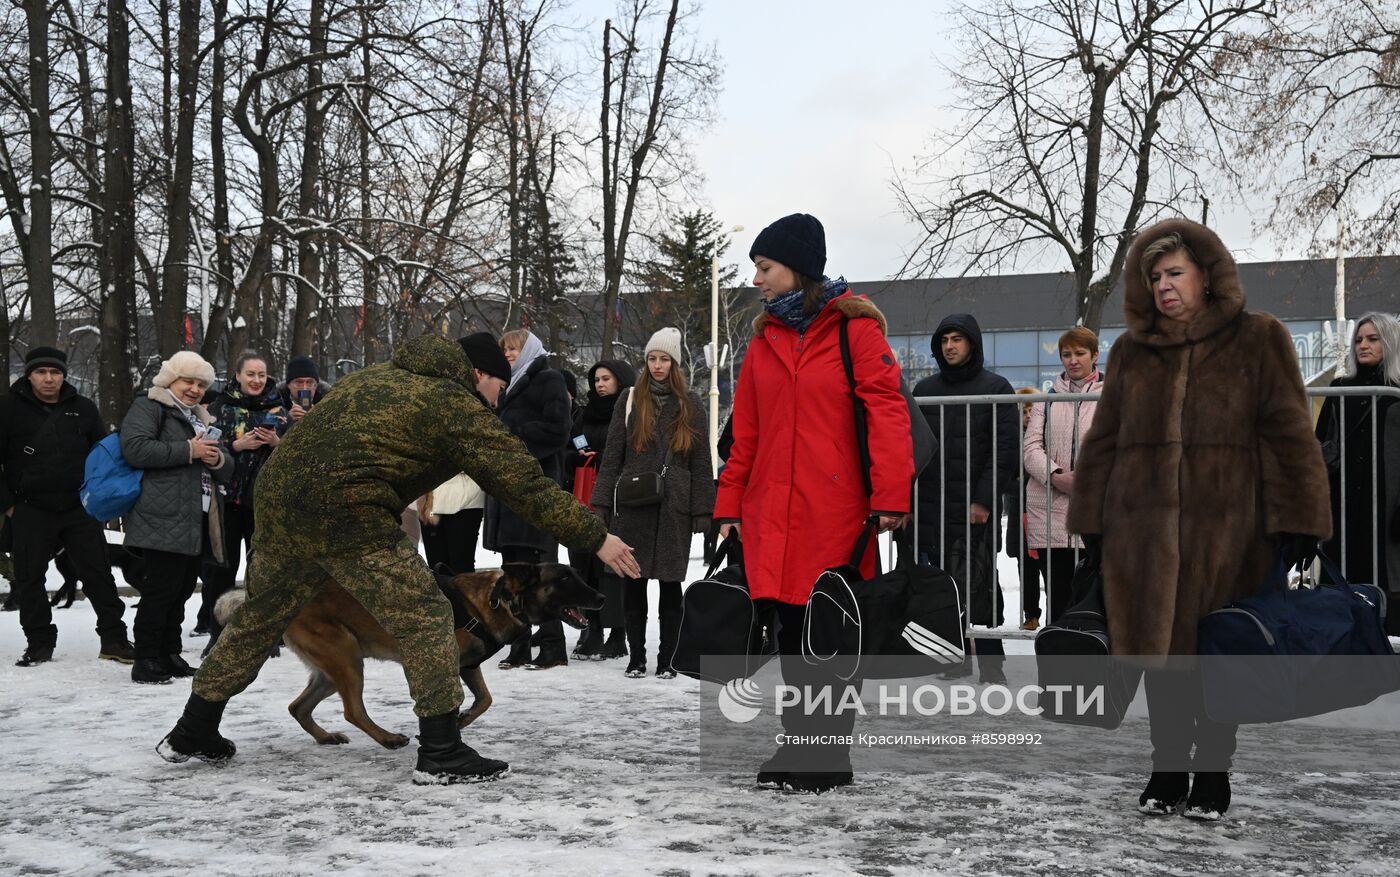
{"points": [[1298, 548]]}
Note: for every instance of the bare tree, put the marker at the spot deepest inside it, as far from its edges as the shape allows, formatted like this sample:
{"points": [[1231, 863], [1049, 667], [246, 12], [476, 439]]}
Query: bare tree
{"points": [[645, 108], [39, 255], [115, 382], [1327, 118], [1082, 123]]}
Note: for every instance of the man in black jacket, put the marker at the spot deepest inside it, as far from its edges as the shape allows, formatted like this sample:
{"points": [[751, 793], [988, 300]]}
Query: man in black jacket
{"points": [[46, 431], [981, 454]]}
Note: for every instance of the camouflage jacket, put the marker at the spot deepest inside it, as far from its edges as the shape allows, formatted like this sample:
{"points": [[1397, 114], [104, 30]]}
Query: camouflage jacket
{"points": [[388, 434]]}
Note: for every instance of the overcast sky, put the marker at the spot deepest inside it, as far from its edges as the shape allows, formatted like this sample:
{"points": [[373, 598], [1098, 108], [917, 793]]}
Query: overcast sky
{"points": [[821, 102]]}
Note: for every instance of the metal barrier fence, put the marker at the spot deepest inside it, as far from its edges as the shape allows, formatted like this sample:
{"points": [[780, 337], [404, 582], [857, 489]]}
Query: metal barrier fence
{"points": [[1015, 469]]}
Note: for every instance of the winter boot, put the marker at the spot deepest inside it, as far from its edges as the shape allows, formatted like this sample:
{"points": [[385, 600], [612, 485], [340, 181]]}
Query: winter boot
{"points": [[117, 648], [816, 783], [615, 647], [197, 735], [1210, 796], [775, 771], [635, 620], [550, 657], [178, 667], [1165, 793], [150, 671], [590, 643], [35, 655], [670, 632], [443, 758], [518, 656]]}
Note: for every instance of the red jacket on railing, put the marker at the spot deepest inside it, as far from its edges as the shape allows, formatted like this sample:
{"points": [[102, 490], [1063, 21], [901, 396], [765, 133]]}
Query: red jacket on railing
{"points": [[793, 479]]}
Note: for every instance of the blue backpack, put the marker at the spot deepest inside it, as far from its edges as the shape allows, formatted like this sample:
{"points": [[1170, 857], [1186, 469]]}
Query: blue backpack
{"points": [[110, 485]]}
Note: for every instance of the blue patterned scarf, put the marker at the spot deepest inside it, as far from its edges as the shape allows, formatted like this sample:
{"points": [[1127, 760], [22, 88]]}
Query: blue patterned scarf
{"points": [[788, 306]]}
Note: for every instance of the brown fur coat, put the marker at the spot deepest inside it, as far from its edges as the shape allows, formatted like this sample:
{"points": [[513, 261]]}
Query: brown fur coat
{"points": [[1201, 449]]}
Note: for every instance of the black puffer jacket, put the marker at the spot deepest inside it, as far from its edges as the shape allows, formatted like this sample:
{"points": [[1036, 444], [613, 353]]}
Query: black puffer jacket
{"points": [[538, 412], [967, 454], [48, 477]]}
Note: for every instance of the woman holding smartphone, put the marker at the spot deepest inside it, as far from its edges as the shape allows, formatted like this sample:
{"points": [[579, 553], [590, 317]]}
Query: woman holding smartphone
{"points": [[251, 419]]}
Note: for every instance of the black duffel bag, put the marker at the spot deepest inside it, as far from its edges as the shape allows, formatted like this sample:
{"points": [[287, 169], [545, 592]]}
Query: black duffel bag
{"points": [[1074, 655], [910, 617], [720, 624]]}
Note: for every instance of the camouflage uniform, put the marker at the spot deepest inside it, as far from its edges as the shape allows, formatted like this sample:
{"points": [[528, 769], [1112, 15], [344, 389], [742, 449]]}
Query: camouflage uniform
{"points": [[328, 503]]}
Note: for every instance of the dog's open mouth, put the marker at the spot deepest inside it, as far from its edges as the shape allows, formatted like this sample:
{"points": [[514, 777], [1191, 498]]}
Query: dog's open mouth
{"points": [[574, 618]]}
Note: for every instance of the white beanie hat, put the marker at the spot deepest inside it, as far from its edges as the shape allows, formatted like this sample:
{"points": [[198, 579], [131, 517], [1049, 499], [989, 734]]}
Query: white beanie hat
{"points": [[185, 364], [668, 341]]}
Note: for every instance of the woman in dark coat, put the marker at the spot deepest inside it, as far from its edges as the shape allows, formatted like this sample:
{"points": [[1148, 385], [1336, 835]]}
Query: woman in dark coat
{"points": [[658, 426], [176, 519], [606, 380], [537, 409], [1200, 468], [1370, 515], [252, 417]]}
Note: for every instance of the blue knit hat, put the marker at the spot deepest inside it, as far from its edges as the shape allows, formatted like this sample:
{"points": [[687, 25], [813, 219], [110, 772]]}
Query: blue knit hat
{"points": [[797, 241]]}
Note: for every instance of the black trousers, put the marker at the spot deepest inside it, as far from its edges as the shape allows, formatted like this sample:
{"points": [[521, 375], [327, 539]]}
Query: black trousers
{"points": [[1056, 567], [1176, 713], [170, 580], [634, 616], [550, 635], [452, 540], [219, 580], [787, 619], [38, 534], [1030, 583]]}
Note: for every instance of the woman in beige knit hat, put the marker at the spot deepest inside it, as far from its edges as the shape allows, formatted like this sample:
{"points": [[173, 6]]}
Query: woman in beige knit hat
{"points": [[176, 518]]}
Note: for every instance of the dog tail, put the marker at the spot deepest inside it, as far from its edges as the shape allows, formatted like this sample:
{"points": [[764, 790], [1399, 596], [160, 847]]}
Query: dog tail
{"points": [[228, 604]]}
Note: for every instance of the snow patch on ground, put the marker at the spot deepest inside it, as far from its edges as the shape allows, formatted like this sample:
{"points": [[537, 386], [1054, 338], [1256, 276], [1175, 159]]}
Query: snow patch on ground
{"points": [[604, 781]]}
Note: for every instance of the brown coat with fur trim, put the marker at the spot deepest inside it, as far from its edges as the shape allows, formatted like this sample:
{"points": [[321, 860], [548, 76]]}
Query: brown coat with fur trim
{"points": [[1201, 449]]}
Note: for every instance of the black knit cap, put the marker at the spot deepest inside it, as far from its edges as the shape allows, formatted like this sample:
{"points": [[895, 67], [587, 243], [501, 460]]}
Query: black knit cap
{"points": [[302, 367], [484, 350], [797, 241], [45, 357]]}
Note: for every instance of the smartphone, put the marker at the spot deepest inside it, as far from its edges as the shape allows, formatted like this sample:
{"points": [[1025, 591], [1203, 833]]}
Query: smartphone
{"points": [[304, 399], [212, 434]]}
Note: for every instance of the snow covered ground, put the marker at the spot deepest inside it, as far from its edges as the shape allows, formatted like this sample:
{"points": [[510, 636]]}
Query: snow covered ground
{"points": [[604, 781]]}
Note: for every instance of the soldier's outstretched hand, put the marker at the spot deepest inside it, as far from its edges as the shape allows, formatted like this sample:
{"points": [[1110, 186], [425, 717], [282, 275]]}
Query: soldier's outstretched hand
{"points": [[618, 557]]}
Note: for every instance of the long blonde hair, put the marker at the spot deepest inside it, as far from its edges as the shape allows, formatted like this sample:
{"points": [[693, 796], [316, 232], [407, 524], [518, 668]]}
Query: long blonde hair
{"points": [[645, 413]]}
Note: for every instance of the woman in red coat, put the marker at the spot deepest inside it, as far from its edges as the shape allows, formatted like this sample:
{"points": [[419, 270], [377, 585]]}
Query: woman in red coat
{"points": [[793, 485]]}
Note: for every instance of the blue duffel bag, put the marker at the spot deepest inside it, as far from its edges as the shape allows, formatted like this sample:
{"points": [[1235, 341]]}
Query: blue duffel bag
{"points": [[1289, 653]]}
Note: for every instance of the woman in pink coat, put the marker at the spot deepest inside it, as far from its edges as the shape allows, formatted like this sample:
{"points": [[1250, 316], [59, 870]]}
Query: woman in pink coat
{"points": [[1051, 449]]}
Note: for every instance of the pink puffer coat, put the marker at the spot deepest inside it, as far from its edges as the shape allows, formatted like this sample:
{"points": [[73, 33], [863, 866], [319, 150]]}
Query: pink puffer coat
{"points": [[1063, 432]]}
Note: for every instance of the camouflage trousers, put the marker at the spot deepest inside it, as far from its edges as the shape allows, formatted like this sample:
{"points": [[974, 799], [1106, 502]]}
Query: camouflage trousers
{"points": [[394, 584]]}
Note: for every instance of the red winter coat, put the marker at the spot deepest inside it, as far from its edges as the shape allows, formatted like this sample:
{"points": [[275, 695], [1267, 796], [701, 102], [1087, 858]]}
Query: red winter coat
{"points": [[793, 479]]}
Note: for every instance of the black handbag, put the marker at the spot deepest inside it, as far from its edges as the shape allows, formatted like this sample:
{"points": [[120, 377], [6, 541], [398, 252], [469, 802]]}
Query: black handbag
{"points": [[904, 623], [720, 624], [1074, 655], [642, 490]]}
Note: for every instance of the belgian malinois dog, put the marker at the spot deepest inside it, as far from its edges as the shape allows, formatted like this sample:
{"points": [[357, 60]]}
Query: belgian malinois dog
{"points": [[333, 635]]}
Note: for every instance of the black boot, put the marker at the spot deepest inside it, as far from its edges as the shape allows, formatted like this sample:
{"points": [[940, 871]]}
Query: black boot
{"points": [[150, 671], [591, 642], [670, 632], [197, 735], [1165, 793], [178, 667], [34, 655], [616, 645], [518, 656], [635, 620], [443, 758], [775, 771], [117, 647], [1210, 796]]}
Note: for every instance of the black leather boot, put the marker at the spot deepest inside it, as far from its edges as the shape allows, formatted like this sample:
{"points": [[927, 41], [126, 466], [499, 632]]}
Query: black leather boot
{"points": [[150, 671], [1165, 793], [1210, 796], [197, 735], [443, 758]]}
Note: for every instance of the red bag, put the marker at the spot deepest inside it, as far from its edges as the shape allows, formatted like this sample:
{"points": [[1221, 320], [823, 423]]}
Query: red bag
{"points": [[585, 477]]}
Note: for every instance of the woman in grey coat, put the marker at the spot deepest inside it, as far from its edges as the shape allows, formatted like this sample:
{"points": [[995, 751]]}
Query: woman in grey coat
{"points": [[177, 514], [658, 427]]}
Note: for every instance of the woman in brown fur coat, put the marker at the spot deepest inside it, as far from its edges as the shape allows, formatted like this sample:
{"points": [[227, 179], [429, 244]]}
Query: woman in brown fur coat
{"points": [[1200, 467]]}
